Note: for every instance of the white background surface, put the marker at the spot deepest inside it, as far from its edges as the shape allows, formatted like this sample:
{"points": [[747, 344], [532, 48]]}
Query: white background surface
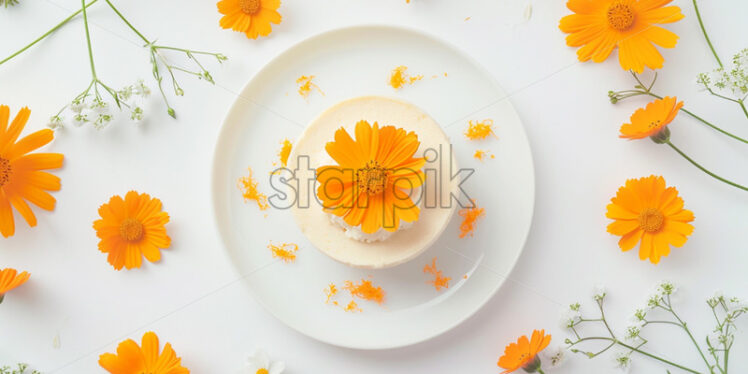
{"points": [[191, 297]]}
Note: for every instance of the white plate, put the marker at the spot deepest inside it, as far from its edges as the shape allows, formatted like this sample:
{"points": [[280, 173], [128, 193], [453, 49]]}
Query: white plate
{"points": [[354, 62]]}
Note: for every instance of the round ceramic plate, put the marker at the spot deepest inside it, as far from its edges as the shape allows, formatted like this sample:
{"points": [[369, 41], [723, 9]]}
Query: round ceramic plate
{"points": [[454, 90]]}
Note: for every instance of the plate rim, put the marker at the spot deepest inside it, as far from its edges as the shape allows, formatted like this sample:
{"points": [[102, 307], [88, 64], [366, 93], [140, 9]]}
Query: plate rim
{"points": [[222, 233]]}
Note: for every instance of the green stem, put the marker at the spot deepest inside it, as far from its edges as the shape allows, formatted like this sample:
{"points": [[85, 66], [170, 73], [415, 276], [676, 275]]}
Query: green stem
{"points": [[703, 30], [88, 39], [66, 20], [128, 22], [683, 324], [637, 350], [634, 349], [742, 106], [704, 121], [705, 170], [541, 371]]}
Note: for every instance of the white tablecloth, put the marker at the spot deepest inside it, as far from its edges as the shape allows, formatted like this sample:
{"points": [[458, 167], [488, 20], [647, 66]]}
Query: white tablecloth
{"points": [[76, 306]]}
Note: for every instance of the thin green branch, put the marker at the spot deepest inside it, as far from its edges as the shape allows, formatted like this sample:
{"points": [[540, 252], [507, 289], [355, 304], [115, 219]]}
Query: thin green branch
{"points": [[66, 20], [706, 36], [715, 176]]}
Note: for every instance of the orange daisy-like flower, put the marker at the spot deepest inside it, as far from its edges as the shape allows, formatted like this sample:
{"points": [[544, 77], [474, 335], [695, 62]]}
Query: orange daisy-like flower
{"points": [[10, 279], [599, 26], [21, 177], [524, 353], [131, 359], [131, 228], [652, 120], [371, 183], [252, 17], [646, 211]]}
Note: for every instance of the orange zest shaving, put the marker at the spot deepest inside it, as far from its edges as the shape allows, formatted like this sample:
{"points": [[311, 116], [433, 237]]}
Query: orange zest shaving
{"points": [[352, 307], [285, 152], [480, 129], [248, 186], [285, 251], [470, 217], [365, 290], [306, 85], [330, 291], [482, 155], [439, 281], [400, 77]]}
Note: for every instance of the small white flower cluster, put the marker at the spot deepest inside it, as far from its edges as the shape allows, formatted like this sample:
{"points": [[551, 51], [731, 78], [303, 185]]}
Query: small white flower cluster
{"points": [[99, 113], [599, 293], [555, 356], [623, 361], [570, 315], [732, 81]]}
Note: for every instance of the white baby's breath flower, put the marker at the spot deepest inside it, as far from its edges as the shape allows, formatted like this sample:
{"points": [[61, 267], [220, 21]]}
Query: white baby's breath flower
{"points": [[56, 122], [554, 357], [136, 114], [632, 333], [570, 315], [80, 119], [77, 106], [623, 361], [259, 363], [599, 292], [666, 288]]}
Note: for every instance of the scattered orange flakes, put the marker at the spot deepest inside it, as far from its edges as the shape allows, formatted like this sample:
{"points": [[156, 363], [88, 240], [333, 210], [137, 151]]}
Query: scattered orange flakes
{"points": [[248, 186], [365, 290], [400, 77], [306, 85], [482, 155], [285, 152], [470, 216], [480, 129], [465, 276], [331, 291], [285, 251], [352, 307], [439, 281], [468, 18]]}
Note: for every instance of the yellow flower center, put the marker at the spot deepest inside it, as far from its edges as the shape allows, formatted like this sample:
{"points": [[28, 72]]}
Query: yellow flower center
{"points": [[262, 371], [651, 220], [131, 230], [250, 7], [5, 171], [621, 16], [372, 178]]}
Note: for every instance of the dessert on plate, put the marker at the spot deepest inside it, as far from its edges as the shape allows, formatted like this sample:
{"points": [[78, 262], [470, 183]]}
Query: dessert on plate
{"points": [[382, 190]]}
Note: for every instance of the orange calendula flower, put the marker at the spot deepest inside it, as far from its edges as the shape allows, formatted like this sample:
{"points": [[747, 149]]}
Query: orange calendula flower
{"points": [[22, 180], [370, 185], [252, 17], [647, 212], [469, 218], [524, 353], [652, 120], [131, 228], [10, 279], [134, 359], [600, 26]]}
